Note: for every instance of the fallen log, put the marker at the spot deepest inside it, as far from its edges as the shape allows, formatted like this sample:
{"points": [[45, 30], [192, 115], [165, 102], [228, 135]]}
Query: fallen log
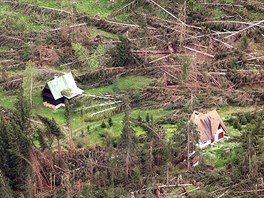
{"points": [[161, 58], [200, 52], [244, 29], [149, 52], [221, 4], [99, 112], [175, 16]]}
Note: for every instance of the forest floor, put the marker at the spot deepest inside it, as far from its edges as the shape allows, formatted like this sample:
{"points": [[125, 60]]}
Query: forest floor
{"points": [[151, 99]]}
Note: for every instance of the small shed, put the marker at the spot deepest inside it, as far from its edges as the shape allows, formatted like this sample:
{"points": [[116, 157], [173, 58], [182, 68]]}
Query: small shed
{"points": [[210, 127], [60, 89]]}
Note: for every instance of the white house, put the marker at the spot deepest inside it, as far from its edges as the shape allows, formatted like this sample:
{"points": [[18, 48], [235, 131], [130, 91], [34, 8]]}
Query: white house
{"points": [[210, 127]]}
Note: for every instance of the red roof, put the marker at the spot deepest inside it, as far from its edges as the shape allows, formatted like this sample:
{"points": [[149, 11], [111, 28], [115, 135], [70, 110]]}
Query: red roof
{"points": [[207, 124]]}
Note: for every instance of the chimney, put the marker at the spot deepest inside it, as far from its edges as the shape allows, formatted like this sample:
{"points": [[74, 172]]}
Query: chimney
{"points": [[196, 115]]}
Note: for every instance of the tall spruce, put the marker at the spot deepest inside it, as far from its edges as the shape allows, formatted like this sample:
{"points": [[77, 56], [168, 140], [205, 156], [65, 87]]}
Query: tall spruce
{"points": [[20, 141], [15, 147], [42, 142], [23, 112], [252, 145], [122, 54], [127, 140], [68, 116], [53, 129]]}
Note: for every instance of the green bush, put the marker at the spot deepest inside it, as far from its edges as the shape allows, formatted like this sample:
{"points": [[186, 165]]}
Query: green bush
{"points": [[88, 129], [147, 117], [110, 122], [237, 125], [243, 120], [139, 118], [103, 125]]}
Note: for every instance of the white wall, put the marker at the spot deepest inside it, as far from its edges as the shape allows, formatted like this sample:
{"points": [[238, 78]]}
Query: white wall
{"points": [[202, 145], [217, 132]]}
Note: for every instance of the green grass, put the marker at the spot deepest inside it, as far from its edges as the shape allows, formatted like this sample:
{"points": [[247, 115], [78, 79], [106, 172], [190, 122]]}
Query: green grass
{"points": [[217, 13], [100, 90], [226, 111], [122, 84], [253, 15], [47, 3], [103, 8], [17, 21], [170, 128], [216, 156], [39, 109], [96, 132], [94, 136], [7, 100], [94, 32]]}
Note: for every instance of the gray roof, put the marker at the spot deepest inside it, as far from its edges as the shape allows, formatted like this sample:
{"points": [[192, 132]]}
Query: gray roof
{"points": [[65, 82]]}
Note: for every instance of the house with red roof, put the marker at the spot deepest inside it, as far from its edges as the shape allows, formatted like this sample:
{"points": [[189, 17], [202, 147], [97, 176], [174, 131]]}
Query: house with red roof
{"points": [[210, 126]]}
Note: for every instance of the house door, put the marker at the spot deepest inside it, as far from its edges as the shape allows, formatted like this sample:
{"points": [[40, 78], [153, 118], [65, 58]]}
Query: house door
{"points": [[220, 135]]}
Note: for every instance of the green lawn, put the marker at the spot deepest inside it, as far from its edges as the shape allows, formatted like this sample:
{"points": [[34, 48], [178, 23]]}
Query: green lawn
{"points": [[104, 8], [122, 84], [96, 133], [226, 111], [7, 100]]}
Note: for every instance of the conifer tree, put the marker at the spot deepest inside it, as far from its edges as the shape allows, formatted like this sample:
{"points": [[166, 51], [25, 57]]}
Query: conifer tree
{"points": [[103, 125], [148, 149], [52, 128], [128, 139], [110, 122], [15, 147], [41, 140], [5, 147], [20, 164], [68, 116], [122, 54], [5, 190], [23, 112], [147, 117], [251, 146], [139, 118]]}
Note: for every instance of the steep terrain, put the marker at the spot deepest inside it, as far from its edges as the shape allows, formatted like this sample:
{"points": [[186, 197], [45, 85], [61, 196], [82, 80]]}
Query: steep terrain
{"points": [[144, 66]]}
